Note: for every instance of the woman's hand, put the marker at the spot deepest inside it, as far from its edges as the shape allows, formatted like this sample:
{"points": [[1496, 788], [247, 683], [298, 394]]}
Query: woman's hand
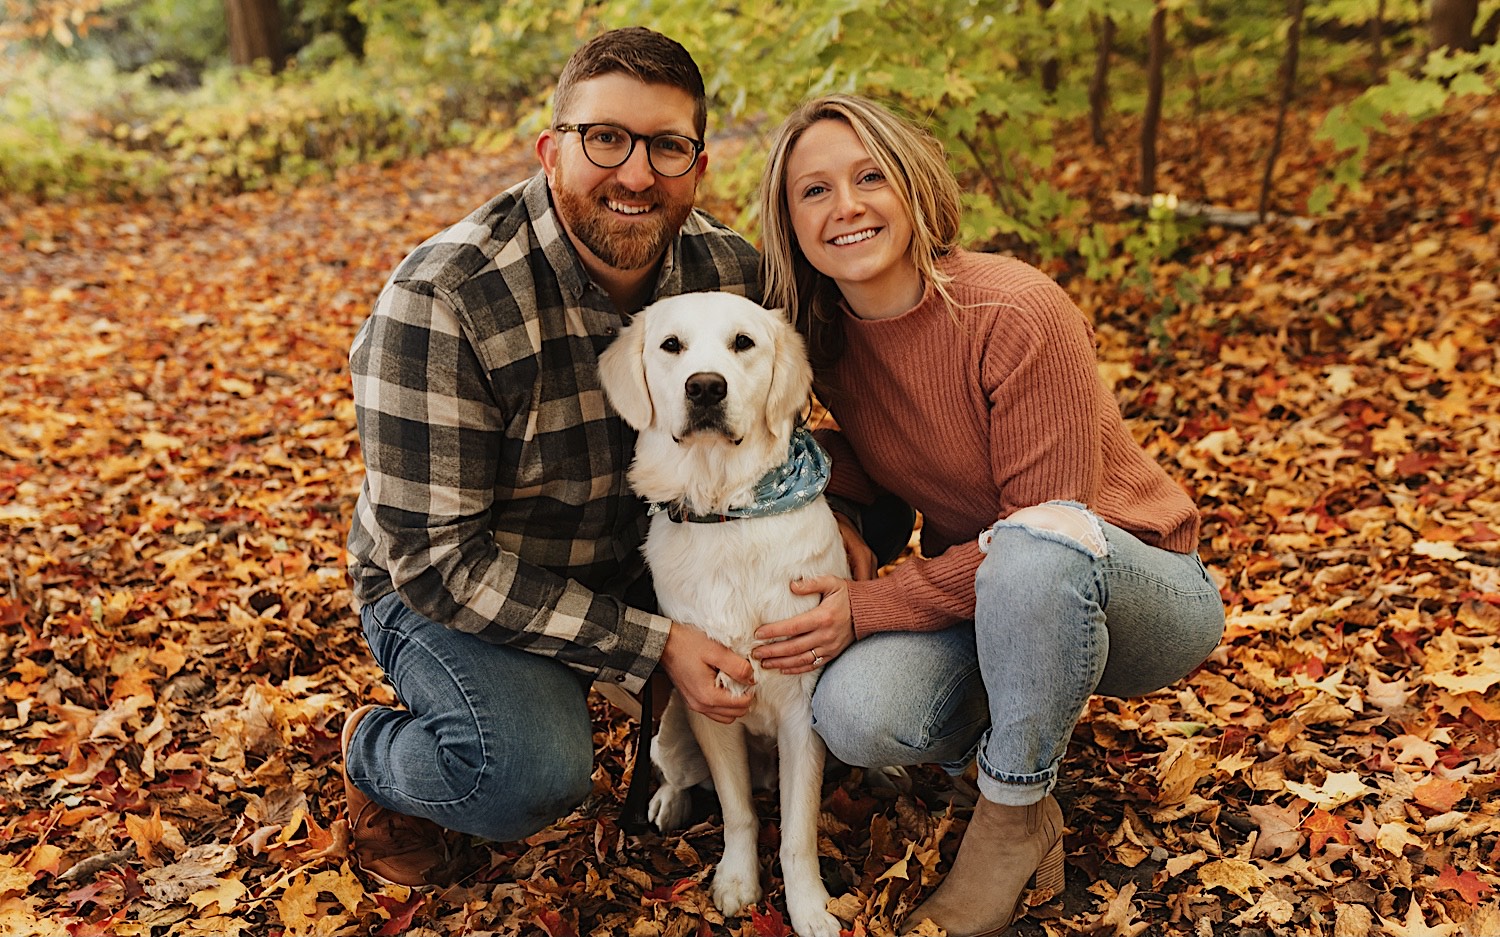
{"points": [[862, 564], [805, 642]]}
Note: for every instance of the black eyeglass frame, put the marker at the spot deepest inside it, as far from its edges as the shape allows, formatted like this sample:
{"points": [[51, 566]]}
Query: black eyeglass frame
{"points": [[583, 129]]}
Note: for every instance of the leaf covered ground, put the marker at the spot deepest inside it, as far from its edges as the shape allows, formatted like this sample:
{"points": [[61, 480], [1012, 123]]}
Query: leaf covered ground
{"points": [[178, 461]]}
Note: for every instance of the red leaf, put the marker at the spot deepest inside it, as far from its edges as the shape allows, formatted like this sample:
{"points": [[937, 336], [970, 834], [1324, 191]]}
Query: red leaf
{"points": [[104, 927], [770, 924], [1466, 884], [555, 924], [401, 913], [670, 893]]}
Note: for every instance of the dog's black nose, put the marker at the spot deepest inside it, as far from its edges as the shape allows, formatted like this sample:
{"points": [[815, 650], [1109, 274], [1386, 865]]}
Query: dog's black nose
{"points": [[706, 388]]}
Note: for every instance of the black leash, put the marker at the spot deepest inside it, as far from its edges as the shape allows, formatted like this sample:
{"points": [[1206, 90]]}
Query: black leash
{"points": [[633, 814]]}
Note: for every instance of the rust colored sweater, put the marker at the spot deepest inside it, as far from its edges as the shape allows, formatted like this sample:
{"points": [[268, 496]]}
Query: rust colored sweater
{"points": [[969, 417]]}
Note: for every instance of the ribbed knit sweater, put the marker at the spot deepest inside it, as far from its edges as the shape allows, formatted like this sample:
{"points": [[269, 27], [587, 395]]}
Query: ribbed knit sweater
{"points": [[972, 413]]}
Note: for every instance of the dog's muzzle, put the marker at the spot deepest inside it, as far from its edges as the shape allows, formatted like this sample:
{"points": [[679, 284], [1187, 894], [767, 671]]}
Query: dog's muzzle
{"points": [[705, 392]]}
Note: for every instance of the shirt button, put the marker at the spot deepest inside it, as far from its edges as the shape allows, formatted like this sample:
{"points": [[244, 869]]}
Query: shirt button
{"points": [[609, 330], [619, 678]]}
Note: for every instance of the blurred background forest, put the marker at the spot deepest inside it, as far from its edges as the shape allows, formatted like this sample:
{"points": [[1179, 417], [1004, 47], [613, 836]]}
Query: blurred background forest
{"points": [[125, 98]]}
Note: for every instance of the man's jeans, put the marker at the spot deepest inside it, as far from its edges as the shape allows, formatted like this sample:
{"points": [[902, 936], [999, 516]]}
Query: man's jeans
{"points": [[493, 741], [1056, 620]]}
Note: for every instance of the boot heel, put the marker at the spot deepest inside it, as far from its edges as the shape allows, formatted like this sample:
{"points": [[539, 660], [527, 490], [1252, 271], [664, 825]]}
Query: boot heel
{"points": [[1049, 875]]}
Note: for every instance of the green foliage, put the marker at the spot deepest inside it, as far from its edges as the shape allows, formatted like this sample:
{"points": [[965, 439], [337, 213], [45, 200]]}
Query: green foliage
{"points": [[1444, 76], [1361, 13], [78, 126], [166, 37], [49, 143], [1128, 254], [383, 79]]}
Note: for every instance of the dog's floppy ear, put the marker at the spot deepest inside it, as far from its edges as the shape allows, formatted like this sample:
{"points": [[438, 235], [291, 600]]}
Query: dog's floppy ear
{"points": [[622, 373], [791, 377]]}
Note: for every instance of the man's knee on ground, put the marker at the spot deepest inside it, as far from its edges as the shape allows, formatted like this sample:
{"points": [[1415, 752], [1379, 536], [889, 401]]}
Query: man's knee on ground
{"points": [[1069, 520], [510, 811]]}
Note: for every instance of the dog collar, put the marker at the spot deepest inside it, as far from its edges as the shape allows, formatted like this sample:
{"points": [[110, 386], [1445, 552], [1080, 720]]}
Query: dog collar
{"points": [[789, 486]]}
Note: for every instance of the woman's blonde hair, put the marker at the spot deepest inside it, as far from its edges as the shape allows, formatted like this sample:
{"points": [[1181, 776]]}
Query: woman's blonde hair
{"points": [[915, 167]]}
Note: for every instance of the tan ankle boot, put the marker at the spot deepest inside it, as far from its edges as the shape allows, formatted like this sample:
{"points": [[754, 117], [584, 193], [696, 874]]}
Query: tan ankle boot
{"points": [[1003, 848], [390, 846]]}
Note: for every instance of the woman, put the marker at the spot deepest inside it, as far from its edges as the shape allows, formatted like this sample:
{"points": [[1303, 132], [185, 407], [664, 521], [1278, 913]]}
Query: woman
{"points": [[966, 384]]}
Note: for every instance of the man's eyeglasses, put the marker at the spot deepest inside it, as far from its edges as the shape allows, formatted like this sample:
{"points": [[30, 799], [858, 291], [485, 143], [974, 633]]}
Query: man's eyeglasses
{"points": [[608, 146]]}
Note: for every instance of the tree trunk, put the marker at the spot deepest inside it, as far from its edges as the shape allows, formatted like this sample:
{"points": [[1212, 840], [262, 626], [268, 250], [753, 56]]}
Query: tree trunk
{"points": [[1288, 91], [1051, 70], [254, 31], [1377, 44], [1099, 86], [1154, 83], [1451, 24]]}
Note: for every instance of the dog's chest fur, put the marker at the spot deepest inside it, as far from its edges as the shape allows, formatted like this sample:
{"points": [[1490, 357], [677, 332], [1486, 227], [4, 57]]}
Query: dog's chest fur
{"points": [[730, 578]]}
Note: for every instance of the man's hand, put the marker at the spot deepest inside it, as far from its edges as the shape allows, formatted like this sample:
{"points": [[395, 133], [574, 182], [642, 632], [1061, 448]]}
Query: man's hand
{"points": [[813, 638], [694, 660], [862, 564]]}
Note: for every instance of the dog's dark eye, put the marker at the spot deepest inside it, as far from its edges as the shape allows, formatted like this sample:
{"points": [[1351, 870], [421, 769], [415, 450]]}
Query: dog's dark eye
{"points": [[671, 346], [743, 343]]}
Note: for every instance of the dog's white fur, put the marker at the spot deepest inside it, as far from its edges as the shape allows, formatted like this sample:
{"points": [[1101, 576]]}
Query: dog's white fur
{"points": [[729, 578]]}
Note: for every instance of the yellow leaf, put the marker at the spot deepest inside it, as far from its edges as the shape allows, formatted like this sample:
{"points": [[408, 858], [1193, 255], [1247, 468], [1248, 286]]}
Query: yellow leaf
{"points": [[147, 833], [846, 907], [899, 869], [1337, 789], [1482, 671], [1180, 770], [14, 881], [298, 906], [224, 897], [1442, 357], [1340, 379], [45, 857], [1438, 550], [1235, 876], [237, 387], [152, 441]]}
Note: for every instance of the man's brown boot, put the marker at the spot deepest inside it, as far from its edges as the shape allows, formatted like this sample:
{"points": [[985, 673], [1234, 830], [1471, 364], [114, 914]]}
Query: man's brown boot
{"points": [[390, 846], [1003, 848]]}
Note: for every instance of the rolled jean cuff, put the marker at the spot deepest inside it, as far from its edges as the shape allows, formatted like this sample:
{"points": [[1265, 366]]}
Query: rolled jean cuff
{"points": [[1014, 790]]}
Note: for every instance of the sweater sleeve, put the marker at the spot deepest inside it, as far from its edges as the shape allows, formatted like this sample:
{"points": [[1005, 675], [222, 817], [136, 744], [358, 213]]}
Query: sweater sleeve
{"points": [[1038, 376], [847, 477]]}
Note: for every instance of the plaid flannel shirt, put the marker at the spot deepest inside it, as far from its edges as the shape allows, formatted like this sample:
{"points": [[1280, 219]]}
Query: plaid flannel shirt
{"points": [[494, 498]]}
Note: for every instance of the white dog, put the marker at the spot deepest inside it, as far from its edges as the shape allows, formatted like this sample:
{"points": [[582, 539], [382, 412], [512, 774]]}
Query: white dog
{"points": [[714, 384]]}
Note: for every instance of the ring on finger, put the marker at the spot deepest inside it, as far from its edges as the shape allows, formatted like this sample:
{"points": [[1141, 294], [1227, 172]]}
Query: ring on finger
{"points": [[816, 657]]}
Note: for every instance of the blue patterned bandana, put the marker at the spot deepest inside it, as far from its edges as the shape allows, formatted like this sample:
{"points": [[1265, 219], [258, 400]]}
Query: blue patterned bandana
{"points": [[789, 486]]}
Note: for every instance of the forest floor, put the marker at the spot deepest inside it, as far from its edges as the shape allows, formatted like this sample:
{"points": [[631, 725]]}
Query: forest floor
{"points": [[178, 464]]}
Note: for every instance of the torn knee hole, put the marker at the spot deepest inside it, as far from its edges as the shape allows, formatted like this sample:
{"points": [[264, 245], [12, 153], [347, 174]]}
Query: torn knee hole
{"points": [[1072, 522]]}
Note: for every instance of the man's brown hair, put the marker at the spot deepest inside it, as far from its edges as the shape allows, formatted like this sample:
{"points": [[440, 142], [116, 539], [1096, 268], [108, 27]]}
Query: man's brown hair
{"points": [[637, 51]]}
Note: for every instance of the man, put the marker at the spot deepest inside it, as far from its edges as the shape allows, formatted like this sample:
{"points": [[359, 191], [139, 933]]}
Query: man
{"points": [[495, 545]]}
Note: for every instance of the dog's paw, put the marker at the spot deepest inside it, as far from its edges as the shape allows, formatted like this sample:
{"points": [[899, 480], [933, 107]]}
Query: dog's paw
{"points": [[815, 924], [735, 889], [669, 808], [807, 905]]}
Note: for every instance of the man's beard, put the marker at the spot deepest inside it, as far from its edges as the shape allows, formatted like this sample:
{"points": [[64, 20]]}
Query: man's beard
{"points": [[624, 245]]}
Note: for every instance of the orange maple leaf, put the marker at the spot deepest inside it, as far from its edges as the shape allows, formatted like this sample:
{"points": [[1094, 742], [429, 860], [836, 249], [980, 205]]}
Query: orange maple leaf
{"points": [[1466, 884], [1440, 794], [1321, 826]]}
